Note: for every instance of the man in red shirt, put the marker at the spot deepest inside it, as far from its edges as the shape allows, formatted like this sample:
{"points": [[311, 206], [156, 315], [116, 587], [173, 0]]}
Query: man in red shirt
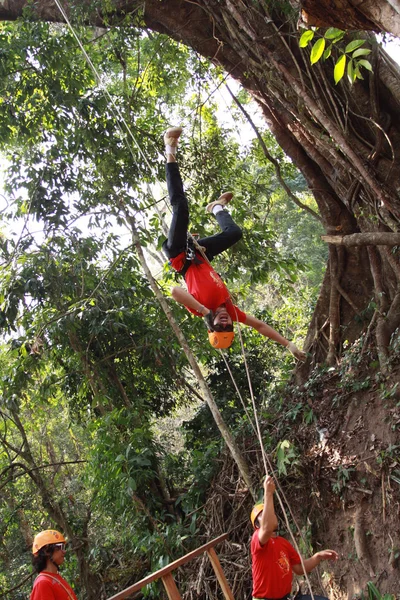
{"points": [[48, 552], [274, 560], [206, 295]]}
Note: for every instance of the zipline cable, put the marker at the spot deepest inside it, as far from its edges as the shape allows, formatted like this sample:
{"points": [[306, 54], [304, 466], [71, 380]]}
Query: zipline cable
{"points": [[267, 463], [104, 90], [129, 132]]}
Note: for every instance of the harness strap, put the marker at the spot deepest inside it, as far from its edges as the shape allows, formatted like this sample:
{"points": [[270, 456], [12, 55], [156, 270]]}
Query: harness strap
{"points": [[57, 580], [191, 257]]}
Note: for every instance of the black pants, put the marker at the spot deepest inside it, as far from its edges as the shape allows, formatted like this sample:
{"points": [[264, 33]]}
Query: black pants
{"points": [[177, 235]]}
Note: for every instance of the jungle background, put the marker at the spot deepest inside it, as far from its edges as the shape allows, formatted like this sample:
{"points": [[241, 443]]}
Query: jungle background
{"points": [[105, 434]]}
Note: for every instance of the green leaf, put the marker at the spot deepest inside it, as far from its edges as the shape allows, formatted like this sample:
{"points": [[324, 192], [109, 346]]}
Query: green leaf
{"points": [[358, 72], [334, 34], [327, 52], [306, 37], [340, 66], [366, 64], [317, 50], [354, 45], [131, 485], [361, 52], [350, 72]]}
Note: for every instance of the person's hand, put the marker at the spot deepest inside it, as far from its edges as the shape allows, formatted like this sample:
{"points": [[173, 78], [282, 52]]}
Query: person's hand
{"points": [[209, 320], [327, 555], [269, 485], [293, 349]]}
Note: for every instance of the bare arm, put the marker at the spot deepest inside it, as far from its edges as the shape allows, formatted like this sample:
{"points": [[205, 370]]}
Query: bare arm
{"points": [[267, 331], [311, 563], [183, 297], [269, 522]]}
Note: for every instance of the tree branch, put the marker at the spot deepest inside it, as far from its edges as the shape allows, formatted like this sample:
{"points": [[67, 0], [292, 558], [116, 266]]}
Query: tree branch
{"points": [[373, 238]]}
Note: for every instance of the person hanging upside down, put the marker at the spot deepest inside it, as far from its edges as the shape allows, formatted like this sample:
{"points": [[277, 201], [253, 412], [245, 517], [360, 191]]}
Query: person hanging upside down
{"points": [[206, 295], [274, 560]]}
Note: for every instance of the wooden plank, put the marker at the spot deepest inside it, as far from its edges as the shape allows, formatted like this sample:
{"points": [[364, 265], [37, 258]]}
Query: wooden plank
{"points": [[220, 574], [170, 587], [174, 565]]}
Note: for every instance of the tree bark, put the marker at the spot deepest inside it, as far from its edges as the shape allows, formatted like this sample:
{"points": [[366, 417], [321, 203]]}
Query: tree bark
{"points": [[364, 239], [348, 14], [344, 139]]}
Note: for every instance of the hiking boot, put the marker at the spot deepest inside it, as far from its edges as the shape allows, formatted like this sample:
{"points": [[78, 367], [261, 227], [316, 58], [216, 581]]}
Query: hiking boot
{"points": [[223, 200]]}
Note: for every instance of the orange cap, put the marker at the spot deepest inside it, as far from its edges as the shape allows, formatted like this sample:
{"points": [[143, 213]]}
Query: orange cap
{"points": [[220, 339], [49, 536], [257, 509]]}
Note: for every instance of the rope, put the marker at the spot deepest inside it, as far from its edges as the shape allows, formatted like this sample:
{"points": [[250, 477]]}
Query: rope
{"points": [[267, 462], [129, 132]]}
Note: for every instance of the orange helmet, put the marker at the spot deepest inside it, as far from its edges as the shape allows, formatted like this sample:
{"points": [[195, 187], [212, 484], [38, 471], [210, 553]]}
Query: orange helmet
{"points": [[220, 339], [49, 536], [257, 509]]}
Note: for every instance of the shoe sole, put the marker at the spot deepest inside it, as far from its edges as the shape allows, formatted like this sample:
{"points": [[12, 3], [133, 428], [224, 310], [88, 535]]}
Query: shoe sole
{"points": [[223, 200]]}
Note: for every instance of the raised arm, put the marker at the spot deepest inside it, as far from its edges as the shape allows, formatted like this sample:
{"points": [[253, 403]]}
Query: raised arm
{"points": [[183, 297], [268, 520], [269, 332]]}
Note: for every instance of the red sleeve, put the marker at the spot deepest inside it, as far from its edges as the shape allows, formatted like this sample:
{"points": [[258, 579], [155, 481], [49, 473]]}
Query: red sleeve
{"points": [[294, 556], [235, 313], [42, 590], [255, 543], [194, 312], [178, 261]]}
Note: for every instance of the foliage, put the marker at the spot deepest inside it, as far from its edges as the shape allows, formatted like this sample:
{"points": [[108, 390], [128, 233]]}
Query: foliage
{"points": [[89, 364], [352, 54], [375, 594]]}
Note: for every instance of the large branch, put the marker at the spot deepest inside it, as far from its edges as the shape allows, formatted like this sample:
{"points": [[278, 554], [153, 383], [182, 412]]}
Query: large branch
{"points": [[350, 15], [345, 14], [364, 239]]}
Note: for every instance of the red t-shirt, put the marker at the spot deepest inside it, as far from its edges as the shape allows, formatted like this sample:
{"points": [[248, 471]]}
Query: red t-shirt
{"points": [[204, 284], [272, 567], [51, 586]]}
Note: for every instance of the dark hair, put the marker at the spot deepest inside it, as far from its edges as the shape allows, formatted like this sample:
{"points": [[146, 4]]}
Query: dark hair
{"points": [[39, 561], [220, 328]]}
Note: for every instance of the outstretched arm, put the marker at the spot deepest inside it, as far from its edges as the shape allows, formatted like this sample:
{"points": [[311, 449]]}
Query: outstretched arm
{"points": [[311, 563], [269, 332], [268, 521], [183, 297]]}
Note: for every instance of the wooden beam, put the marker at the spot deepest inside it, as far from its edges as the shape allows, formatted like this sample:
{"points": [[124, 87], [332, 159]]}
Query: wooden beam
{"points": [[165, 570], [220, 574], [170, 587]]}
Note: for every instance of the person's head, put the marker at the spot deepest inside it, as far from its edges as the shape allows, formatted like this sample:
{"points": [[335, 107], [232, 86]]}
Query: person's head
{"points": [[48, 547], [222, 335], [256, 515]]}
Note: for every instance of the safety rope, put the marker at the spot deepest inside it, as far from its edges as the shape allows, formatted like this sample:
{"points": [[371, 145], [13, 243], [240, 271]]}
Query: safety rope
{"points": [[199, 248], [267, 462]]}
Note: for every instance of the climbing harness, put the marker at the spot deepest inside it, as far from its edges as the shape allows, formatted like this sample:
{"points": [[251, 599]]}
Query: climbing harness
{"points": [[191, 254], [194, 247]]}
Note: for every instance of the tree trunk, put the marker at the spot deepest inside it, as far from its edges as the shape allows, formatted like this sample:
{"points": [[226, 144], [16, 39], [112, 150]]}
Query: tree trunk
{"points": [[344, 139]]}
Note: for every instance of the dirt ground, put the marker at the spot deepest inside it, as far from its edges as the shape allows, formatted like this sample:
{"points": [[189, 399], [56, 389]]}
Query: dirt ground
{"points": [[357, 473], [343, 490]]}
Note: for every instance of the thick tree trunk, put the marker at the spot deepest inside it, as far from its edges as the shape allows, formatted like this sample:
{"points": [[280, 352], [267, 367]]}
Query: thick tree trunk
{"points": [[344, 139], [351, 14]]}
